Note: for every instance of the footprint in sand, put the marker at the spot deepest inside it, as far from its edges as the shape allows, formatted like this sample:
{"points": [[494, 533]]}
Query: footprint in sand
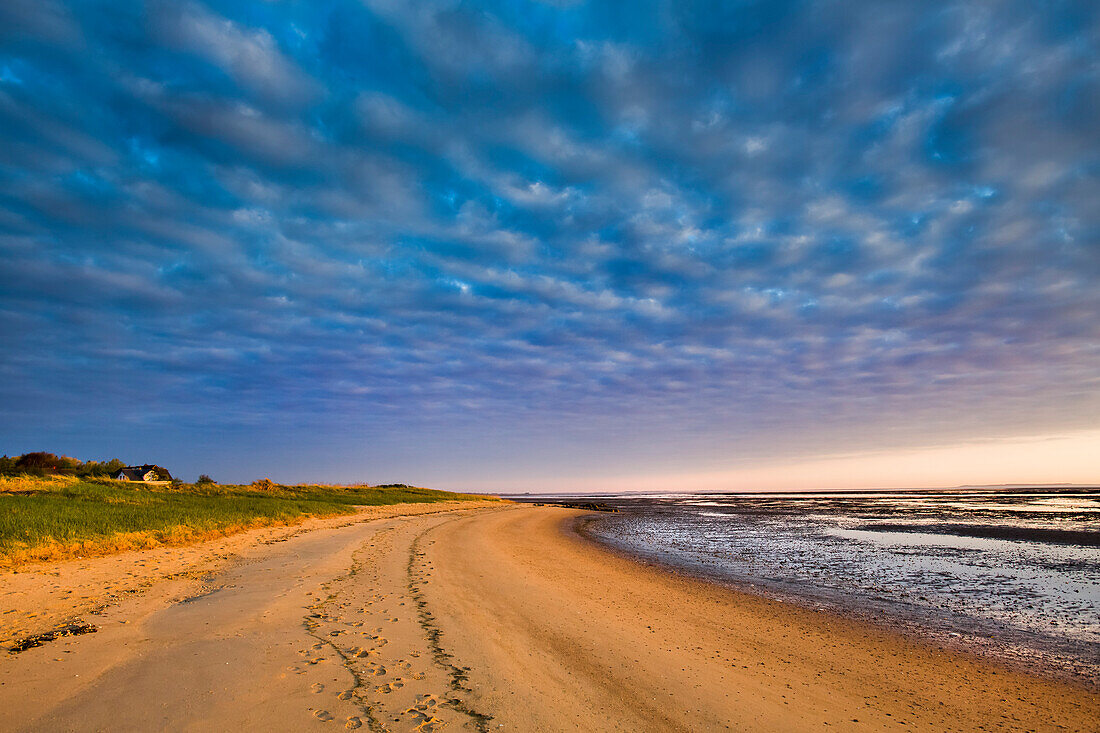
{"points": [[345, 695], [389, 687], [425, 701], [316, 687], [422, 720], [353, 722], [323, 715], [361, 652]]}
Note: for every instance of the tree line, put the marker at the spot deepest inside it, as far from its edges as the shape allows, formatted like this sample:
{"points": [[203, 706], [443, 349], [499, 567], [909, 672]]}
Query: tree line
{"points": [[41, 463]]}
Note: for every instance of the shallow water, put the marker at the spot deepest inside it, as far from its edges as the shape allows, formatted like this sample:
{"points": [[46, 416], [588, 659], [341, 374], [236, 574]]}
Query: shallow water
{"points": [[1015, 574]]}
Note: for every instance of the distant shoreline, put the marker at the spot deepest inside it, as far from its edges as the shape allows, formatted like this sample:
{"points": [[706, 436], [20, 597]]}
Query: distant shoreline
{"points": [[992, 488]]}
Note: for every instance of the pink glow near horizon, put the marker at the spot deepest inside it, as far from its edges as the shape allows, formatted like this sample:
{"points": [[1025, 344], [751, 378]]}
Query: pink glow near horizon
{"points": [[1044, 459]]}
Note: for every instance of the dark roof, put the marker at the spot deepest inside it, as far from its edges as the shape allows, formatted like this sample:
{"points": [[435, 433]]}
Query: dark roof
{"points": [[137, 473]]}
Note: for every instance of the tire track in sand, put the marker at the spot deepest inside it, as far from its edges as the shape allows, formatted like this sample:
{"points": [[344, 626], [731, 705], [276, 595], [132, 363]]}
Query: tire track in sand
{"points": [[417, 574], [313, 623], [375, 620]]}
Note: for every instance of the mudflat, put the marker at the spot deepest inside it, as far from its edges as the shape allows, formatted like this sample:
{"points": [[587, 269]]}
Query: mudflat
{"points": [[472, 617]]}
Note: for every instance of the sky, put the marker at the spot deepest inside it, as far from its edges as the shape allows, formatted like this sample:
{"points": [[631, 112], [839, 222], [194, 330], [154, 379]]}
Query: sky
{"points": [[563, 245]]}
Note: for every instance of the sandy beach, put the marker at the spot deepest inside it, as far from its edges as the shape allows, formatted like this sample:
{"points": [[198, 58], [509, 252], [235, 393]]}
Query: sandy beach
{"points": [[468, 617]]}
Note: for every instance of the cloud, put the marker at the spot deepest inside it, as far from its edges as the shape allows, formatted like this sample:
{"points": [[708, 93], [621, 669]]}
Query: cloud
{"points": [[249, 55], [47, 20], [679, 235]]}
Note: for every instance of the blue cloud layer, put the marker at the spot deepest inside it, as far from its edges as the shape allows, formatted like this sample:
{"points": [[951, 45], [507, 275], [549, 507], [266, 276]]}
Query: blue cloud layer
{"points": [[595, 234]]}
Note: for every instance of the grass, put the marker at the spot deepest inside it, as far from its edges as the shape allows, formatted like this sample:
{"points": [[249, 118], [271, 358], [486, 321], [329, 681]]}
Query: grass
{"points": [[32, 484], [61, 517]]}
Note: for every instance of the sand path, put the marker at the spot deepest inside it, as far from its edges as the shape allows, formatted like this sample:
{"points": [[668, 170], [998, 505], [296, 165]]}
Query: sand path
{"points": [[494, 619], [299, 627]]}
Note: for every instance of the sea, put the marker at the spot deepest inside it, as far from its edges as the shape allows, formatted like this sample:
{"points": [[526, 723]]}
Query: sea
{"points": [[1012, 573]]}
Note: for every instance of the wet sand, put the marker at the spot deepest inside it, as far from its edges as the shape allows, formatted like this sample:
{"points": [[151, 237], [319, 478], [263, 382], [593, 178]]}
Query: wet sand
{"points": [[495, 618]]}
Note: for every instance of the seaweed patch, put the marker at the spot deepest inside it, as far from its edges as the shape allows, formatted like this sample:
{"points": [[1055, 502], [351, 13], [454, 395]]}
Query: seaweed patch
{"points": [[73, 629]]}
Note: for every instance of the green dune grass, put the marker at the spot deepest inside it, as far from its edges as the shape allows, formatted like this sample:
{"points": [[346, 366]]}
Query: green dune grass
{"points": [[43, 519]]}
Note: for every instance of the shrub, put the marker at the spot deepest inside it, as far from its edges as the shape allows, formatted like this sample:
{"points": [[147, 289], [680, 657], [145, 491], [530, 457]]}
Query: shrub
{"points": [[37, 462]]}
